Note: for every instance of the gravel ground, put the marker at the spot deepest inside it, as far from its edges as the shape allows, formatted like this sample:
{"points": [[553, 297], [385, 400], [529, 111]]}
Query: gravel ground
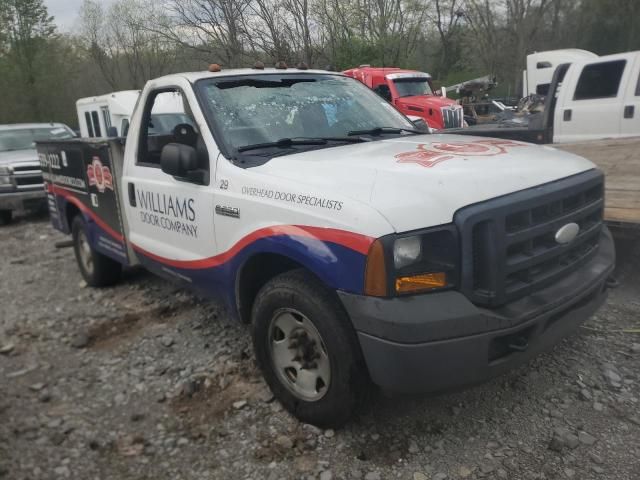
{"points": [[146, 381]]}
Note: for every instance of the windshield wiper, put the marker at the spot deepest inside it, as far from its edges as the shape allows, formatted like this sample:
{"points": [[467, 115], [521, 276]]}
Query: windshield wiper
{"points": [[288, 142], [382, 130]]}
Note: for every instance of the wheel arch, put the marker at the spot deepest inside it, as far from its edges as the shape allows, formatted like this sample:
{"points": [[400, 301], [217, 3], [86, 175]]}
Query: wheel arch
{"points": [[254, 273], [336, 266], [70, 212]]}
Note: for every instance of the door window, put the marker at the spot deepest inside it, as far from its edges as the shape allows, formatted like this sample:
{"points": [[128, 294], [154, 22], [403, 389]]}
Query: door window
{"points": [[600, 80], [96, 124], [124, 127], [167, 119], [87, 119], [638, 87], [106, 117]]}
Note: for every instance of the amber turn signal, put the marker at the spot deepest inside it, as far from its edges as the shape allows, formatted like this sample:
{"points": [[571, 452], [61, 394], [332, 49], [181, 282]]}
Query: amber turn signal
{"points": [[375, 276], [424, 281]]}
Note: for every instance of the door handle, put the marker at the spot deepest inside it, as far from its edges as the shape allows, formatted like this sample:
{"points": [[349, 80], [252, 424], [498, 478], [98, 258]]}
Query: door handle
{"points": [[132, 194], [567, 115], [629, 110]]}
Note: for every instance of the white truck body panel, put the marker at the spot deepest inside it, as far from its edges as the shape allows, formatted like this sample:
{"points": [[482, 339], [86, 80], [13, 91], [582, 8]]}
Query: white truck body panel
{"points": [[580, 115]]}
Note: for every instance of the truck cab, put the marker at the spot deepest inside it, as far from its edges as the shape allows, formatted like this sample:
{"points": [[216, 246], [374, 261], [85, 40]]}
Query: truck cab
{"points": [[359, 250], [411, 92]]}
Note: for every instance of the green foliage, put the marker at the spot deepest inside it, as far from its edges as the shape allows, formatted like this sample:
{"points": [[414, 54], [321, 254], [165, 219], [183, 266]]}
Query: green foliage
{"points": [[27, 29]]}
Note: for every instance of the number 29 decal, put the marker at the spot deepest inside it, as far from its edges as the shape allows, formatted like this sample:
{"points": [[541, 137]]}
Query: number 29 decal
{"points": [[224, 184]]}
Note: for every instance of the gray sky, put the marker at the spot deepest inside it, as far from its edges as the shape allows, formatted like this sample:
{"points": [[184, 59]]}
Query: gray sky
{"points": [[66, 12]]}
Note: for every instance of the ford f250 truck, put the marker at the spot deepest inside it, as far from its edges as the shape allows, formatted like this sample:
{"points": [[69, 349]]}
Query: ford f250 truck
{"points": [[412, 93], [359, 250]]}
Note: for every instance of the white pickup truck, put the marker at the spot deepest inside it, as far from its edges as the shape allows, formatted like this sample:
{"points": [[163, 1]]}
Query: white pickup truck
{"points": [[360, 250]]}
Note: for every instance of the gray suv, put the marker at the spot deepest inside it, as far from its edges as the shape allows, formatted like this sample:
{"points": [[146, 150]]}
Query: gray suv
{"points": [[21, 185]]}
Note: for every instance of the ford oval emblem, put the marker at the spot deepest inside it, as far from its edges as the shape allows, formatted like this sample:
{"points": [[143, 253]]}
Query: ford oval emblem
{"points": [[567, 233]]}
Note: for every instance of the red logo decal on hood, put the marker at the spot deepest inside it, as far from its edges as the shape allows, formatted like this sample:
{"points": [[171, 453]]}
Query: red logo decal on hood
{"points": [[429, 155], [99, 175]]}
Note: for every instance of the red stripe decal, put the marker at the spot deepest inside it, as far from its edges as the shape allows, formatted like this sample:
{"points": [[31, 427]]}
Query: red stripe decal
{"points": [[72, 199], [354, 241]]}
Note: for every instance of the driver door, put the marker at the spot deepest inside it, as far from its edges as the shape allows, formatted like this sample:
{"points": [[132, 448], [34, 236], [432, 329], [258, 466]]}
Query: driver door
{"points": [[170, 219]]}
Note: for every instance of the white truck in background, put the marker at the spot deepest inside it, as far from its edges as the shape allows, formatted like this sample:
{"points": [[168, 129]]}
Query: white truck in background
{"points": [[109, 115]]}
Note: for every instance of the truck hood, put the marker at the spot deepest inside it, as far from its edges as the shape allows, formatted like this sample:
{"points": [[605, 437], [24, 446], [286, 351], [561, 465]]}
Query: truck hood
{"points": [[17, 156], [425, 101], [422, 180]]}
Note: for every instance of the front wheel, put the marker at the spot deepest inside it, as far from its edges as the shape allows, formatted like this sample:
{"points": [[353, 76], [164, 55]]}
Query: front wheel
{"points": [[307, 349], [97, 269]]}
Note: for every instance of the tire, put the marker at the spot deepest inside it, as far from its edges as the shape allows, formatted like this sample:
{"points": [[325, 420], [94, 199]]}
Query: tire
{"points": [[97, 269], [287, 314], [6, 216]]}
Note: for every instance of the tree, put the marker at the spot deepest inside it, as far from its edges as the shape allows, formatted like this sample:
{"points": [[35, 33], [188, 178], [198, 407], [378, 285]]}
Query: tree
{"points": [[27, 28], [123, 43], [446, 17]]}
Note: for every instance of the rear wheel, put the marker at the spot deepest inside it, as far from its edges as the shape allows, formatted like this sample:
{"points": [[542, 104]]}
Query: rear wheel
{"points": [[307, 349], [6, 216], [97, 269]]}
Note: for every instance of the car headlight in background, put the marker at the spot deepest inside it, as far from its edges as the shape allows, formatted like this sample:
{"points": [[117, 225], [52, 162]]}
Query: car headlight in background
{"points": [[5, 177], [415, 263]]}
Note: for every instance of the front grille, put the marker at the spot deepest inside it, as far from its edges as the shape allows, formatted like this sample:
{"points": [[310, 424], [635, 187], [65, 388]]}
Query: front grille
{"points": [[27, 176], [453, 117], [26, 168], [28, 181], [509, 245]]}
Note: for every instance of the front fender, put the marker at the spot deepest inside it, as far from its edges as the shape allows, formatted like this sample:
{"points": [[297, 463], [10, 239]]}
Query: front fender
{"points": [[339, 261]]}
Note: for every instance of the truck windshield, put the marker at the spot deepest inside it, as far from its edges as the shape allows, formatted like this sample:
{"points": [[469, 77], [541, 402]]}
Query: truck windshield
{"points": [[265, 108], [25, 138], [411, 87]]}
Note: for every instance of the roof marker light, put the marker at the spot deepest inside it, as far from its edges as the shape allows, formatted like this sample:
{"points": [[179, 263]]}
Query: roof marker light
{"points": [[258, 65], [214, 67], [281, 65]]}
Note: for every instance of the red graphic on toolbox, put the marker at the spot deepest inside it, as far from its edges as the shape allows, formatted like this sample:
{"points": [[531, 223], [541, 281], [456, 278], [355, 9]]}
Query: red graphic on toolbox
{"points": [[99, 175], [429, 155]]}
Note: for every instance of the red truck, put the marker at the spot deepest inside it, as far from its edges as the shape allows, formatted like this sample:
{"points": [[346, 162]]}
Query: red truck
{"points": [[411, 92]]}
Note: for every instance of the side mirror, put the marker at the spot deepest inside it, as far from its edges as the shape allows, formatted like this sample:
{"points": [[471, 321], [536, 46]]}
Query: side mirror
{"points": [[179, 160], [112, 132]]}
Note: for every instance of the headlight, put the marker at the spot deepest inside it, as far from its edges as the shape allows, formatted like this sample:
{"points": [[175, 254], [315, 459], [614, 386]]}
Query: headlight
{"points": [[416, 263], [406, 251], [5, 180], [5, 170]]}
